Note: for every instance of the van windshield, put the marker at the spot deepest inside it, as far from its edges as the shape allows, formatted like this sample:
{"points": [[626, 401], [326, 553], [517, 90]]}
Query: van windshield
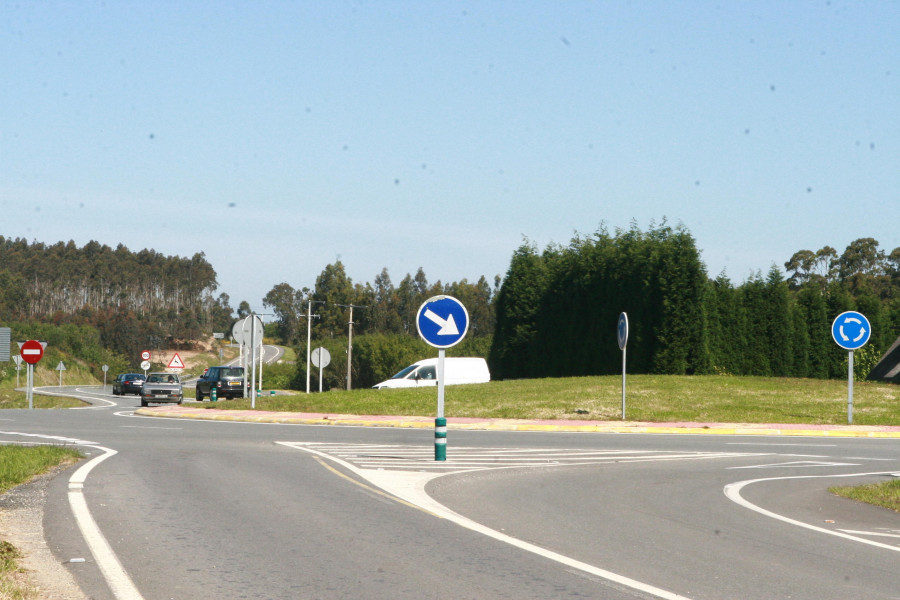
{"points": [[405, 372]]}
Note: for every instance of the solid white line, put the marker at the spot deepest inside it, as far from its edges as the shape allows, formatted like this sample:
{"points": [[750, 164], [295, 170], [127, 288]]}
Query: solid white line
{"points": [[733, 492], [118, 580], [410, 487]]}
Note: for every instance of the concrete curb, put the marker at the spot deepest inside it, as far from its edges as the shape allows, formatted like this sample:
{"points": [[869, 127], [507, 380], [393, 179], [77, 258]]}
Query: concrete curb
{"points": [[842, 431]]}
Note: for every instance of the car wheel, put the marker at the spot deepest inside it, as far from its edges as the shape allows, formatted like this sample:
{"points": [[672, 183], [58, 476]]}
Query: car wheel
{"points": [[143, 402], [199, 395]]}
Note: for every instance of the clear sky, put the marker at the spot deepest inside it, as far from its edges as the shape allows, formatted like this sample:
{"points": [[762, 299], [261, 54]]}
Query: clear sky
{"points": [[279, 137]]}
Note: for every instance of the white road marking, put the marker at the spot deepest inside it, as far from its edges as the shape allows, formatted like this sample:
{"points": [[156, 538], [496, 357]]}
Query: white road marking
{"points": [[733, 492], [113, 572], [779, 444], [797, 464], [409, 486], [875, 533]]}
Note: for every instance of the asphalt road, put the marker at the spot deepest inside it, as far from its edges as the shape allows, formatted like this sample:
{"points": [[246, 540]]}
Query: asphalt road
{"points": [[204, 509]]}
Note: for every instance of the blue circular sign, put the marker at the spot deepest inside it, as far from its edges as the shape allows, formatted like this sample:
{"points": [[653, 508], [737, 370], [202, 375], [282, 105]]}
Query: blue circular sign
{"points": [[442, 321], [851, 330]]}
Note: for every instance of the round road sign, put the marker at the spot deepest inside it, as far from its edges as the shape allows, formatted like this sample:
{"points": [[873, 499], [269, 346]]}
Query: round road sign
{"points": [[851, 330], [145, 355], [321, 357], [32, 351], [442, 321]]}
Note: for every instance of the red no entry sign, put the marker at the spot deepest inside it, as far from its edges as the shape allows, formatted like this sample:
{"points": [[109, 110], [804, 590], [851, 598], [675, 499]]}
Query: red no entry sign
{"points": [[32, 351]]}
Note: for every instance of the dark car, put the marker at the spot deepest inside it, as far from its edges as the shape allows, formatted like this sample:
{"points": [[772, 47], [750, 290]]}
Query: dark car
{"points": [[128, 383], [227, 381]]}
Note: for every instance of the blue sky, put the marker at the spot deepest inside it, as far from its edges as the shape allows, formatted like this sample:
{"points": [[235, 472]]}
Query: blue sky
{"points": [[279, 137]]}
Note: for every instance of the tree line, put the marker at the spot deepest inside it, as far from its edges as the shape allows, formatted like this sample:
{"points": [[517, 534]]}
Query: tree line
{"points": [[557, 310], [552, 314], [135, 299], [385, 336]]}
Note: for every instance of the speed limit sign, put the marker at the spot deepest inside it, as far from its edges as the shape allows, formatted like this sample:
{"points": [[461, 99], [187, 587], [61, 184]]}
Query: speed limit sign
{"points": [[145, 355]]}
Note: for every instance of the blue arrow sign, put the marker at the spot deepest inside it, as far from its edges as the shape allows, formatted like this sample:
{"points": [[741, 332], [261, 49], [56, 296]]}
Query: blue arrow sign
{"points": [[442, 321], [851, 330]]}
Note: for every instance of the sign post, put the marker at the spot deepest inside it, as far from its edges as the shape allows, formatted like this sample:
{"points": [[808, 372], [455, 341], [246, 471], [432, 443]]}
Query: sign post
{"points": [[60, 367], [31, 352], [850, 330], [622, 335], [18, 360], [442, 322], [321, 357]]}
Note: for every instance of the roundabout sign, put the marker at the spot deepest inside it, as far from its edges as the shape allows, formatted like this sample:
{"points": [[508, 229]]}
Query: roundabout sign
{"points": [[850, 330]]}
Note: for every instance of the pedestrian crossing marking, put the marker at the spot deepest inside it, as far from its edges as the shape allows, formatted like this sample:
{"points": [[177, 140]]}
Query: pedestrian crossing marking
{"points": [[421, 458]]}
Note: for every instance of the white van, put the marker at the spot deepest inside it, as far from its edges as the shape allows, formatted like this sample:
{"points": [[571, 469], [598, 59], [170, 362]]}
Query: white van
{"points": [[424, 373]]}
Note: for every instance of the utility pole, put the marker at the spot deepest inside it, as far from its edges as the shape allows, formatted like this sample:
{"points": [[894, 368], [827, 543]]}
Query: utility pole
{"points": [[350, 340], [309, 318]]}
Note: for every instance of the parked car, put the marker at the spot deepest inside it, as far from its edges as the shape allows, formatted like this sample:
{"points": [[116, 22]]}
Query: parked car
{"points": [[457, 370], [128, 383], [227, 381], [162, 388]]}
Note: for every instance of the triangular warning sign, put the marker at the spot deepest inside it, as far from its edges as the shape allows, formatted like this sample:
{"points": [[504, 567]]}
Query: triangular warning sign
{"points": [[176, 363]]}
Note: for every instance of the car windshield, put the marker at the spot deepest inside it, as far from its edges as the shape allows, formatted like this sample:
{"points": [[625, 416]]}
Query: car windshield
{"points": [[404, 372], [163, 378]]}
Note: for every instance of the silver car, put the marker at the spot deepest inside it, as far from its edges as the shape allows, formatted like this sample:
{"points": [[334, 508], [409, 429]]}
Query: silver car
{"points": [[162, 388]]}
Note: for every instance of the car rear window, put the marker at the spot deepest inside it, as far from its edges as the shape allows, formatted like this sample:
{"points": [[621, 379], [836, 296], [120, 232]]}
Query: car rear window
{"points": [[235, 372]]}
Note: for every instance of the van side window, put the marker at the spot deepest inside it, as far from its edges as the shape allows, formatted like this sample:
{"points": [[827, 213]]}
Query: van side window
{"points": [[427, 372]]}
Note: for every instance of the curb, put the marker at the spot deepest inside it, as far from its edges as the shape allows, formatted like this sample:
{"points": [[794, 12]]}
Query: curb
{"points": [[838, 431]]}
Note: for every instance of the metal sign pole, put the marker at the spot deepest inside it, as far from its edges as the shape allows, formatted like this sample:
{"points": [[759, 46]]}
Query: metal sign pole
{"points": [[623, 384], [252, 361], [850, 390], [622, 338], [29, 390]]}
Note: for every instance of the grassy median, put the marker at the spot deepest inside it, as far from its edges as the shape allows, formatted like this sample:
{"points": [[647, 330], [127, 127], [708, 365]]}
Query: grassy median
{"points": [[652, 398]]}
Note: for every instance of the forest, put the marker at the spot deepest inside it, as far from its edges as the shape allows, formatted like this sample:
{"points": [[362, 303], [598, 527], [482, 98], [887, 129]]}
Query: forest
{"points": [[557, 310], [135, 299], [553, 313]]}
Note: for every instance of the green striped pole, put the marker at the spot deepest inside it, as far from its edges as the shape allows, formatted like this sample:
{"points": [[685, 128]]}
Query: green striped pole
{"points": [[440, 438]]}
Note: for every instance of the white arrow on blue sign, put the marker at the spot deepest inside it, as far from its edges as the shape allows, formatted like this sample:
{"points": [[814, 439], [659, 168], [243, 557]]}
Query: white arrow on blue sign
{"points": [[851, 330], [442, 321]]}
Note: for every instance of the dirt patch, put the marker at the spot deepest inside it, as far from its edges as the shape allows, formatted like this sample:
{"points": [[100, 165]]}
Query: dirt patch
{"points": [[21, 524]]}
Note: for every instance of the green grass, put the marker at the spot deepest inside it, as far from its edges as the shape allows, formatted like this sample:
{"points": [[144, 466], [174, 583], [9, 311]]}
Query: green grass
{"points": [[655, 398], [19, 464], [9, 398], [885, 494]]}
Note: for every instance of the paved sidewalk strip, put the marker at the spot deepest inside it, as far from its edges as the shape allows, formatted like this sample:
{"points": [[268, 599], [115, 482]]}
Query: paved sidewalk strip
{"points": [[254, 416]]}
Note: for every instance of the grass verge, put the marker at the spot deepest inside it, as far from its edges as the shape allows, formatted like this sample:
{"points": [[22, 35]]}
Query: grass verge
{"points": [[19, 464], [885, 494], [650, 398]]}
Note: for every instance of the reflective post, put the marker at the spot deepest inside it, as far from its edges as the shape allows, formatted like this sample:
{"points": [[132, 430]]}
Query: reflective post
{"points": [[440, 423]]}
